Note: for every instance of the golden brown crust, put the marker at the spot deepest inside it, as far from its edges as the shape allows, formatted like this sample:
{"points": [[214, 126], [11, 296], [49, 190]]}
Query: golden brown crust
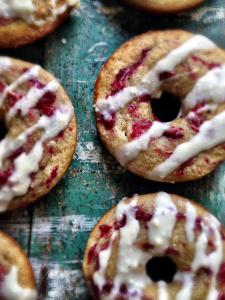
{"points": [[164, 6], [19, 33], [64, 145], [178, 242], [11, 254], [160, 44]]}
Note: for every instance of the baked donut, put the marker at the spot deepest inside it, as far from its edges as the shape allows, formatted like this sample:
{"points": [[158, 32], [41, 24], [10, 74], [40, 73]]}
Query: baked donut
{"points": [[16, 275], [160, 105], [40, 133], [23, 22], [156, 246], [164, 6]]}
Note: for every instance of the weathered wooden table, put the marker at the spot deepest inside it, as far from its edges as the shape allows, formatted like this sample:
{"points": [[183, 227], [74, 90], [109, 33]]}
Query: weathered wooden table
{"points": [[55, 230]]}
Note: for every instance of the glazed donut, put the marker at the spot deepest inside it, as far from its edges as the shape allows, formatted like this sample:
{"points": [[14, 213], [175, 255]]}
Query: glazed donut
{"points": [[159, 103], [23, 22], [164, 6], [16, 275], [156, 246], [40, 133]]}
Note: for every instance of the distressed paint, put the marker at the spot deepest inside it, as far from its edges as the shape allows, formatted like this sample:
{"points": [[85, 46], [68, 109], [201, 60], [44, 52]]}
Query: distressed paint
{"points": [[55, 230]]}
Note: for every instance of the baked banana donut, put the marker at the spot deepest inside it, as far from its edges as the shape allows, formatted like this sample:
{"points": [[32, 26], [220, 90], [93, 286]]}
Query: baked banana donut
{"points": [[156, 247], [39, 139], [16, 275], [164, 6], [23, 22], [160, 105]]}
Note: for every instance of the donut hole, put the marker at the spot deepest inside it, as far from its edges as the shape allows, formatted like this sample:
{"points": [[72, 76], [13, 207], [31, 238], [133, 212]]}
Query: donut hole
{"points": [[166, 108], [161, 268], [3, 129]]}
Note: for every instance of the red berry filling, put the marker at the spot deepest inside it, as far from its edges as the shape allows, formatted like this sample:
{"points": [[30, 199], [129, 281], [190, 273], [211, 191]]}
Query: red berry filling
{"points": [[221, 274], [171, 251], [36, 83], [181, 216], [181, 170], [53, 175], [144, 98], [125, 74], [16, 153], [198, 224], [92, 254], [2, 273], [139, 127], [5, 175], [221, 296], [195, 121], [2, 86], [46, 104], [108, 123], [13, 98], [105, 230], [210, 66], [133, 110], [107, 288], [174, 133], [141, 215], [121, 223]]}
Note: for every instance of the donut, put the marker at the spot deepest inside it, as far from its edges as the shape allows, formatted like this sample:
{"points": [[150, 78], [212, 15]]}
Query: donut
{"points": [[38, 133], [159, 104], [164, 6], [23, 22], [16, 275], [156, 247]]}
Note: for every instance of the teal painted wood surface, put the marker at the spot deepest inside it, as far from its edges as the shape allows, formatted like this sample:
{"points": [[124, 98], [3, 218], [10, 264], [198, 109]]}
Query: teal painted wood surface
{"points": [[55, 230]]}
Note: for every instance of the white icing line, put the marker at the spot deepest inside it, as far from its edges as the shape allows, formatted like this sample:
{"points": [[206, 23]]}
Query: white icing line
{"points": [[11, 290], [161, 226], [211, 133], [162, 291], [130, 150], [188, 282], [214, 259], [209, 87], [26, 10], [31, 73], [104, 256], [31, 99], [191, 215], [130, 257], [25, 164], [151, 80]]}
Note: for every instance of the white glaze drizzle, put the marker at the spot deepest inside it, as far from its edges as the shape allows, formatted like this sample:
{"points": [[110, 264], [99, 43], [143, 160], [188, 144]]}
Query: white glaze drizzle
{"points": [[25, 10], [11, 290], [209, 87], [161, 226], [104, 256], [214, 259], [211, 133], [188, 281], [31, 99], [130, 257], [162, 291], [26, 164], [130, 150], [29, 74], [151, 80], [191, 215]]}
